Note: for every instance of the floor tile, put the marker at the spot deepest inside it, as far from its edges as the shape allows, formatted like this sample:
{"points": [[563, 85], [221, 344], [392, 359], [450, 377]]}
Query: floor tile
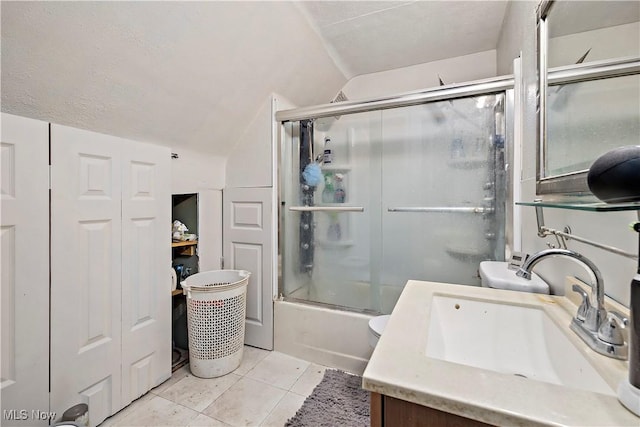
{"points": [[198, 393], [250, 358], [247, 403], [279, 370], [124, 412], [175, 377], [309, 380], [232, 400], [285, 409], [158, 411], [204, 421]]}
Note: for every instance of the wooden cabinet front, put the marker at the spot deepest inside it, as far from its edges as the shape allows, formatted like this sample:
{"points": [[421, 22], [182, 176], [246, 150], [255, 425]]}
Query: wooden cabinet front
{"points": [[391, 412]]}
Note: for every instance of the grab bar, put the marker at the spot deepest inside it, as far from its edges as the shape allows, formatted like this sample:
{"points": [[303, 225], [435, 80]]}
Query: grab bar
{"points": [[471, 209], [476, 210], [326, 208]]}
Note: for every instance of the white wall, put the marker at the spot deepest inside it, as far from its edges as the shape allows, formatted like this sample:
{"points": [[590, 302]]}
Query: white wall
{"points": [[249, 164], [476, 66], [193, 171], [519, 34]]}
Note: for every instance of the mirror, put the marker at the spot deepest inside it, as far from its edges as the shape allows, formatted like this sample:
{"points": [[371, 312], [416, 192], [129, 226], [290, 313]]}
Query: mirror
{"points": [[589, 88], [588, 31]]}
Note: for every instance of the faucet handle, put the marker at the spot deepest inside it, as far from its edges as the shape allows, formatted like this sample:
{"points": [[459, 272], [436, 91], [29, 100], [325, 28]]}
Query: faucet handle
{"points": [[585, 306], [622, 318], [611, 330]]}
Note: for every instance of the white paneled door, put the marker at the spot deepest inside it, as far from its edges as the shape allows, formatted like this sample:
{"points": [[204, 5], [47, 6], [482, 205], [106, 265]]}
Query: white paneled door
{"points": [[146, 269], [24, 297], [248, 243], [110, 270], [86, 242]]}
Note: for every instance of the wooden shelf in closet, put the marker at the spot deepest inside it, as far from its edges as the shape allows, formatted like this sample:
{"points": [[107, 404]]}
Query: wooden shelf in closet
{"points": [[186, 248], [176, 292], [180, 244]]}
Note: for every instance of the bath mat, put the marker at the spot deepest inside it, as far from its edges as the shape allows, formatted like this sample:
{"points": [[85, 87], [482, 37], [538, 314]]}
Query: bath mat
{"points": [[338, 400]]}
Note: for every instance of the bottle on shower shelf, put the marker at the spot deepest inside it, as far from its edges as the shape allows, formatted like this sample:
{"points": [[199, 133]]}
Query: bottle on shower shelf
{"points": [[334, 232], [339, 195], [457, 148], [327, 157], [479, 148], [328, 193]]}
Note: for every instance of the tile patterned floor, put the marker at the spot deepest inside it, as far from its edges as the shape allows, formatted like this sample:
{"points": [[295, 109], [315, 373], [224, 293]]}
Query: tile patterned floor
{"points": [[266, 390]]}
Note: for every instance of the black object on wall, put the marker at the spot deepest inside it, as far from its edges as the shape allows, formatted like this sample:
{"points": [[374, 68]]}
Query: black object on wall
{"points": [[306, 195], [615, 176]]}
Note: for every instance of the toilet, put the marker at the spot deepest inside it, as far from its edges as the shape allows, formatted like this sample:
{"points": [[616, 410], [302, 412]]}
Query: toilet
{"points": [[376, 328], [497, 275]]}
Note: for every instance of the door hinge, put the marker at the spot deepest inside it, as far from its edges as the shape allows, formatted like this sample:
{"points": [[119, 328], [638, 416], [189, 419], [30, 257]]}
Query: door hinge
{"points": [[49, 177]]}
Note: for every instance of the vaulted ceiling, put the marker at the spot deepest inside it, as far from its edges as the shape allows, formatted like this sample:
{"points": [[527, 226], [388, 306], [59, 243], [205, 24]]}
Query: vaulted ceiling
{"points": [[370, 36], [193, 74]]}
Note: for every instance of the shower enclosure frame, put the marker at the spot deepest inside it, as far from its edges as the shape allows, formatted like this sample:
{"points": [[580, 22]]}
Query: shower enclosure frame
{"points": [[499, 85]]}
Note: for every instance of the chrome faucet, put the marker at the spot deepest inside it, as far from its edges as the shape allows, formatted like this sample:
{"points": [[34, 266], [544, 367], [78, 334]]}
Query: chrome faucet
{"points": [[601, 330]]}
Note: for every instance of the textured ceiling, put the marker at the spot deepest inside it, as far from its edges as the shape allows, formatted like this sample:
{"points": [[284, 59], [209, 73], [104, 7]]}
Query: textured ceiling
{"points": [[193, 74], [190, 74], [372, 36]]}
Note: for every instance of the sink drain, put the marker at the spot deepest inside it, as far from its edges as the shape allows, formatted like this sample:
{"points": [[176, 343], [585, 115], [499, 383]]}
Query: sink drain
{"points": [[520, 375]]}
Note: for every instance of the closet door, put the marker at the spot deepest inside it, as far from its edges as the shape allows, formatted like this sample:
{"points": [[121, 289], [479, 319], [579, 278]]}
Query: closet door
{"points": [[85, 271], [146, 269], [248, 243], [24, 249]]}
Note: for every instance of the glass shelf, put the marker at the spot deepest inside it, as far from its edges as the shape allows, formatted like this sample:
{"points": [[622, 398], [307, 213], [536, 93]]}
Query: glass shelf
{"points": [[589, 206]]}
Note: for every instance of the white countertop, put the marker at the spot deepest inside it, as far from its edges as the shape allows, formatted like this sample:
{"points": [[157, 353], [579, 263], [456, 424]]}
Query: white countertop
{"points": [[400, 368]]}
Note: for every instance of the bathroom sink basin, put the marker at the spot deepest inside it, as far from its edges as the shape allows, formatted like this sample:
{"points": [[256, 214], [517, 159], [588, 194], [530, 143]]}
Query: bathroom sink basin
{"points": [[510, 339]]}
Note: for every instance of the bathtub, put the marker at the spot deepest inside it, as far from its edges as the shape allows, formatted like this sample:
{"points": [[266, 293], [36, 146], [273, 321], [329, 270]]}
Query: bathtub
{"points": [[326, 336]]}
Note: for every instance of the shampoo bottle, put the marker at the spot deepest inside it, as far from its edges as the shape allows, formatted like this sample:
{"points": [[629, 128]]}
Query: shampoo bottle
{"points": [[327, 157]]}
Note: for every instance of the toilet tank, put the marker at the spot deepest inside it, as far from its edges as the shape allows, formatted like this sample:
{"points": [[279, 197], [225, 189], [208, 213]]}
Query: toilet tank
{"points": [[497, 275]]}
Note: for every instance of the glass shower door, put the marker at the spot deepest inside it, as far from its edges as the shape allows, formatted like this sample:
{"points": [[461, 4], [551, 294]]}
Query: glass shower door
{"points": [[408, 193], [327, 205], [442, 193]]}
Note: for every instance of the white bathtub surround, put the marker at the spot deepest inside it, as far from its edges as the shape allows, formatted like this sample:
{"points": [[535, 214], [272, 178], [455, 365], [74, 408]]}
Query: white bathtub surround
{"points": [[400, 368], [321, 335], [355, 294]]}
